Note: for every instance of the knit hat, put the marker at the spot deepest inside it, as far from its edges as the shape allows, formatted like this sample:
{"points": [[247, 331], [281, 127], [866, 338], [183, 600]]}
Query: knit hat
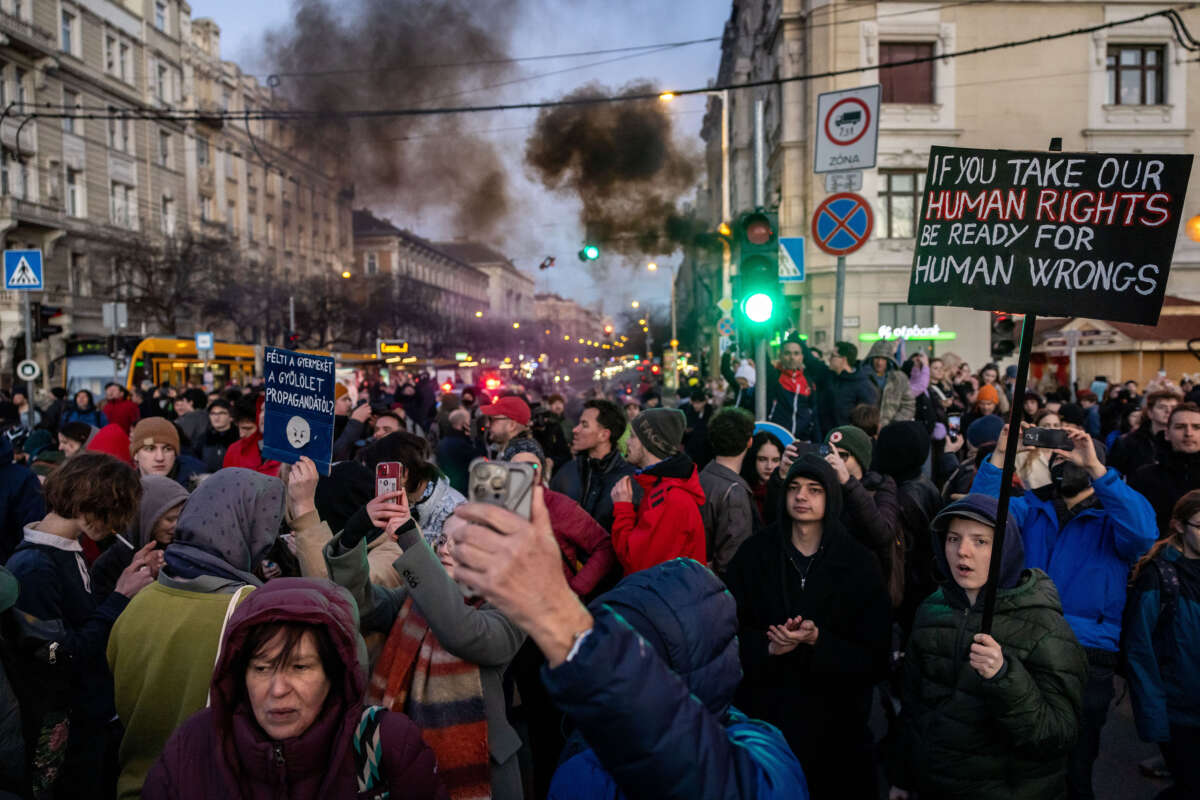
{"points": [[660, 430], [988, 394], [901, 449], [340, 391], [151, 431], [523, 444], [1072, 414], [112, 440], [854, 440], [746, 371], [984, 430]]}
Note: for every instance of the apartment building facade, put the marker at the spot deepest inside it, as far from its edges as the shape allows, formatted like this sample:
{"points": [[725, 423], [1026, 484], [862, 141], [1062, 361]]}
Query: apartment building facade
{"points": [[1122, 89], [80, 174]]}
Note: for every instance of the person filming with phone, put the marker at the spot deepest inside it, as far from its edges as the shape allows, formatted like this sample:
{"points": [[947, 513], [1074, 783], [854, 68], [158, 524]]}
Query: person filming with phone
{"points": [[1085, 528], [447, 650]]}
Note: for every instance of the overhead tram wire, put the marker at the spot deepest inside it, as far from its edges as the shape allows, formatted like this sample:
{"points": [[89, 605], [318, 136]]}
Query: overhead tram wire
{"points": [[301, 115]]}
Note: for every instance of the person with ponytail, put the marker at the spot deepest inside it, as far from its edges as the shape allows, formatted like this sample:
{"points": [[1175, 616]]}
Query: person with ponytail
{"points": [[1162, 644]]}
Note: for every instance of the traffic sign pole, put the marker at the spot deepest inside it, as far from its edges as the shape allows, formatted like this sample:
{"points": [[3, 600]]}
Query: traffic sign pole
{"points": [[28, 348], [839, 301]]}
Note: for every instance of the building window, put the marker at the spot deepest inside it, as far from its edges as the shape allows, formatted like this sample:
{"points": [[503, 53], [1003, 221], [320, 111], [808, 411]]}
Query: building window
{"points": [[202, 151], [120, 132], [270, 227], [1136, 75], [75, 193], [231, 217], [164, 149], [372, 264], [78, 282], [250, 225], [163, 87], [126, 69], [110, 55], [206, 208], [168, 216], [899, 203], [68, 32], [70, 106], [124, 201], [160, 16], [898, 315], [20, 74], [912, 83], [225, 99], [230, 166]]}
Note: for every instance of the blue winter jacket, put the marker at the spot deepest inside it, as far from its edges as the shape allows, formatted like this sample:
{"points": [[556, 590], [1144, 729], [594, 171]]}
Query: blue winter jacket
{"points": [[20, 499], [1089, 559], [650, 689], [1163, 664]]}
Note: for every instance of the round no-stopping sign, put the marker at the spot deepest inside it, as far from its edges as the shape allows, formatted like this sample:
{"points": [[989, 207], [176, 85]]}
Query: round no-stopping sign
{"points": [[842, 223], [29, 370]]}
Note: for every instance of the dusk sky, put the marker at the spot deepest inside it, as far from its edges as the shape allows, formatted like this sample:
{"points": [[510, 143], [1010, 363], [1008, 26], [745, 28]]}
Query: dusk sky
{"points": [[549, 222]]}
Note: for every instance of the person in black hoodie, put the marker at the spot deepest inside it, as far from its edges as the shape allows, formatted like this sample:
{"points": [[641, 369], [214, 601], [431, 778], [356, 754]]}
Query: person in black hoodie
{"points": [[814, 632], [900, 451], [211, 445]]}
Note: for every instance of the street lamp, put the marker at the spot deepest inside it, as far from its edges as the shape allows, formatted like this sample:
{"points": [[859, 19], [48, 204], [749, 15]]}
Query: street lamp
{"points": [[516, 325], [635, 304], [652, 266], [346, 273], [478, 314]]}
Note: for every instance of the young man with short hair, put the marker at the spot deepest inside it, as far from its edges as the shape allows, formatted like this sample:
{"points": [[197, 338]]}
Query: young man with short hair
{"points": [[1177, 470], [728, 510], [589, 477], [1143, 446], [666, 524], [840, 386]]}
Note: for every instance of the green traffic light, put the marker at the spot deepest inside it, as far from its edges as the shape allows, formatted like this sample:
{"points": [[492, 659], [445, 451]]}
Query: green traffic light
{"points": [[590, 252], [758, 307]]}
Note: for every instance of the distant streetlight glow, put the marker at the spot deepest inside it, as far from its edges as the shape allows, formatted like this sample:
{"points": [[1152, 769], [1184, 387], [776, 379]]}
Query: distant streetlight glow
{"points": [[635, 304], [516, 324], [652, 266], [666, 97], [346, 274], [478, 314]]}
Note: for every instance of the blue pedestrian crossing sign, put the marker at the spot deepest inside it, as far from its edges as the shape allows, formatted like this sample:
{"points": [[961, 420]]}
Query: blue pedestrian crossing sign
{"points": [[23, 270], [791, 259]]}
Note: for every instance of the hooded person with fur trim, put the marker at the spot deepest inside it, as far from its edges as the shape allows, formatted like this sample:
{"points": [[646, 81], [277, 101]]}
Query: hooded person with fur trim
{"points": [[896, 402], [814, 631], [246, 744], [987, 716]]}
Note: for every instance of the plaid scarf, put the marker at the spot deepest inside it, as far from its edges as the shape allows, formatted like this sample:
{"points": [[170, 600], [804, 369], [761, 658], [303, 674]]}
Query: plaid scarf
{"points": [[443, 695]]}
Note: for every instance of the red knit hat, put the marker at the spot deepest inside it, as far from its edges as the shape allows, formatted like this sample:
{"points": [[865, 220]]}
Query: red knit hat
{"points": [[113, 440]]}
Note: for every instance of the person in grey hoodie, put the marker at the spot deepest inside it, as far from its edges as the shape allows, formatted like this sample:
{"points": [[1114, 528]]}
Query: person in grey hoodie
{"points": [[896, 402], [728, 510], [158, 512]]}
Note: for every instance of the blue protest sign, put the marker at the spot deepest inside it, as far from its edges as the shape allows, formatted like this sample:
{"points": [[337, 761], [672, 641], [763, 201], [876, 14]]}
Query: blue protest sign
{"points": [[23, 270], [298, 414]]}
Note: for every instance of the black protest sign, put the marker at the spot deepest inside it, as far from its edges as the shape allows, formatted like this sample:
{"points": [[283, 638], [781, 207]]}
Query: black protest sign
{"points": [[1060, 234]]}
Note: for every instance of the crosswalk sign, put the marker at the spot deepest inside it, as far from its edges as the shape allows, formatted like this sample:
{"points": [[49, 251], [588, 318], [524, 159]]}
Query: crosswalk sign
{"points": [[791, 259], [23, 270]]}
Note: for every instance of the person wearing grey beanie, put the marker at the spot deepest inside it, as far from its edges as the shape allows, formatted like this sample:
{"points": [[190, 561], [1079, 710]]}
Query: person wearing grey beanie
{"points": [[666, 524]]}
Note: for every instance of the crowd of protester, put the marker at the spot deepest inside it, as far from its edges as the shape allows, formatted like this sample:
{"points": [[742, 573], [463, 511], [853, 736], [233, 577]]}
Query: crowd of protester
{"points": [[696, 605]]}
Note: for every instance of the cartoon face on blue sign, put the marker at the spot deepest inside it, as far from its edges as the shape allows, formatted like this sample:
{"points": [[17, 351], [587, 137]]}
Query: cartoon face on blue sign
{"points": [[298, 415]]}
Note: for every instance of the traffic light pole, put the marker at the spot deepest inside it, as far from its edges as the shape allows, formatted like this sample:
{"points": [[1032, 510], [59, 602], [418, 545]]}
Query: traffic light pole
{"points": [[28, 350], [760, 378], [839, 302]]}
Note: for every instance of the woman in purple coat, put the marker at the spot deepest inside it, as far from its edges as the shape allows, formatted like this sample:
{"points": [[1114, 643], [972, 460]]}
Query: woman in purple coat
{"points": [[286, 711]]}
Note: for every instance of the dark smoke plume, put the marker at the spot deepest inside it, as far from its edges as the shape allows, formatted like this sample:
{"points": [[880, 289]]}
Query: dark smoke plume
{"points": [[623, 162], [382, 54]]}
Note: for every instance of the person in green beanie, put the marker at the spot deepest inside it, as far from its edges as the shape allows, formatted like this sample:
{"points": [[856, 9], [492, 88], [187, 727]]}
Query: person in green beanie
{"points": [[666, 524], [870, 503]]}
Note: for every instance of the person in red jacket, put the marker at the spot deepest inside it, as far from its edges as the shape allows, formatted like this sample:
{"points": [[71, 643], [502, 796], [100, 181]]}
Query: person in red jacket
{"points": [[119, 408], [247, 451], [667, 523], [586, 547]]}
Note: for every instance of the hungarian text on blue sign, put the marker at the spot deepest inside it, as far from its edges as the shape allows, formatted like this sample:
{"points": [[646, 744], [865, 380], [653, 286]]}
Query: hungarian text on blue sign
{"points": [[298, 414]]}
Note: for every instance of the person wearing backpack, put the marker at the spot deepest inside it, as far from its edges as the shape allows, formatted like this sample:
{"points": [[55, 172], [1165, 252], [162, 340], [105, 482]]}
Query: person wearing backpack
{"points": [[286, 717], [1162, 646]]}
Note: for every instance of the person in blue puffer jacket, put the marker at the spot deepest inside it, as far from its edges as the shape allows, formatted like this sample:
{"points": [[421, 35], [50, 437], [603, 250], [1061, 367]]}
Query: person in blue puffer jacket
{"points": [[646, 674], [1085, 529], [1162, 645]]}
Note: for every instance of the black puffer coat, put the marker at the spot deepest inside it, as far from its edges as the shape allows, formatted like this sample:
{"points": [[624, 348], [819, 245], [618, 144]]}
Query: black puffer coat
{"points": [[1006, 738]]}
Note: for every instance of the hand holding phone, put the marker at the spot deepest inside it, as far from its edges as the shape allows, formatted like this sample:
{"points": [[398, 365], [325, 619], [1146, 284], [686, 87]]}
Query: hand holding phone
{"points": [[502, 483], [390, 476]]}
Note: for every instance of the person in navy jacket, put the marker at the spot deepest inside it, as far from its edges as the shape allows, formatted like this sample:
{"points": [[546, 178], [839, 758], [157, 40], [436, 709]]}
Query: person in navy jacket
{"points": [[1085, 529], [1163, 645], [646, 678]]}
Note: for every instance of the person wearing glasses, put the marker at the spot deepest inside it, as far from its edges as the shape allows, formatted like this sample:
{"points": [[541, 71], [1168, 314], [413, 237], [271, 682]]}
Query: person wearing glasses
{"points": [[1162, 640]]}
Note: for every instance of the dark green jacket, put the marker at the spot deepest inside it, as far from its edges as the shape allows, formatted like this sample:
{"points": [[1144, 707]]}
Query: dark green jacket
{"points": [[1006, 738]]}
